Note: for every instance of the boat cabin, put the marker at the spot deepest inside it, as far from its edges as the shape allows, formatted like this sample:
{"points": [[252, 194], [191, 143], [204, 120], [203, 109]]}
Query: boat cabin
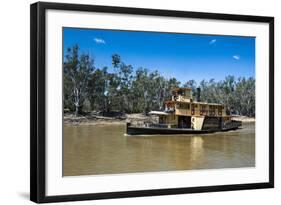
{"points": [[182, 111]]}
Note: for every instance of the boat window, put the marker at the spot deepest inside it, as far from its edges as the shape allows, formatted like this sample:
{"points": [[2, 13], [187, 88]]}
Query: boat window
{"points": [[183, 106], [203, 110], [162, 119], [220, 110], [212, 110]]}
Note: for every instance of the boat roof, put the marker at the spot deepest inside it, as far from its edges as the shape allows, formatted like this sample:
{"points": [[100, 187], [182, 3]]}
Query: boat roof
{"points": [[206, 103], [158, 113], [180, 89], [194, 102]]}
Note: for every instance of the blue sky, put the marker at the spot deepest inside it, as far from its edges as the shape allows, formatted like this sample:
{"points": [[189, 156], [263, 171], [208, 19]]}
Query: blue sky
{"points": [[184, 56]]}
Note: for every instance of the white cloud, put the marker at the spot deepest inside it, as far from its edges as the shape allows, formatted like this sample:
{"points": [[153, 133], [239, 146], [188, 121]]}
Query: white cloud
{"points": [[212, 41], [99, 40], [236, 57]]}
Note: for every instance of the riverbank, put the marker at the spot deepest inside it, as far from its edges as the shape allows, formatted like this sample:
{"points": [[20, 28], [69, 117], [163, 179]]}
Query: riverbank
{"points": [[243, 118], [135, 118], [93, 119]]}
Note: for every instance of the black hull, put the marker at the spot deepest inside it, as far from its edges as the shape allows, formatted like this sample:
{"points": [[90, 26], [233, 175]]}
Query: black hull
{"points": [[131, 130]]}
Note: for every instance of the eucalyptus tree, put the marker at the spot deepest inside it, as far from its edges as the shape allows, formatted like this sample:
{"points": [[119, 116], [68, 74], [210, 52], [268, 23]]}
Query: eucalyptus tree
{"points": [[77, 72], [140, 90], [245, 96], [98, 87], [123, 82]]}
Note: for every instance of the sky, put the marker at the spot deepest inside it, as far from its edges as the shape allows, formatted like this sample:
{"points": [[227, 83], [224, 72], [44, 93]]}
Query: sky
{"points": [[183, 56]]}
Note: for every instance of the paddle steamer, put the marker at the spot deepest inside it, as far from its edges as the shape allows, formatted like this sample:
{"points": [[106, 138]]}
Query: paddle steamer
{"points": [[183, 115]]}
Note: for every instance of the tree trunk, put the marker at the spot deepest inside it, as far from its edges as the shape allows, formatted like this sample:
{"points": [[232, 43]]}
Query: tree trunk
{"points": [[76, 101], [76, 110]]}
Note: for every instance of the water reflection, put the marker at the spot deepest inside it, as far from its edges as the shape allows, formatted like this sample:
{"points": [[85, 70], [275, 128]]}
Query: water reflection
{"points": [[103, 149]]}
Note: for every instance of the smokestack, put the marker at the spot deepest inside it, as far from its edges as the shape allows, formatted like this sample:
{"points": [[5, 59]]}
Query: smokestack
{"points": [[198, 94]]}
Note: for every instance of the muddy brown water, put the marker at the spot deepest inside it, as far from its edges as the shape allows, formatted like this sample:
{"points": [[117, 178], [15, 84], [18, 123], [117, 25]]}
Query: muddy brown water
{"points": [[104, 149]]}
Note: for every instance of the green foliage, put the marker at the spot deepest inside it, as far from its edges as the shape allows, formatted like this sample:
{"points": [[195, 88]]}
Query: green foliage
{"points": [[237, 95], [77, 73], [125, 90]]}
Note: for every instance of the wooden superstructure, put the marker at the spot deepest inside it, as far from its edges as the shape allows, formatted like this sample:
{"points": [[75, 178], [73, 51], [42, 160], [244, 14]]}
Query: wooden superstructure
{"points": [[182, 111]]}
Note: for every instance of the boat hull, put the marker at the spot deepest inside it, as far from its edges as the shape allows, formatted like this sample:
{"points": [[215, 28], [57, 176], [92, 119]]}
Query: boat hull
{"points": [[134, 130]]}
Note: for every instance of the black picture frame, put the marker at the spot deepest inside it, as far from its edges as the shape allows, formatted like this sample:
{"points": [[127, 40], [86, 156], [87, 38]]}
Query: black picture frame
{"points": [[38, 101]]}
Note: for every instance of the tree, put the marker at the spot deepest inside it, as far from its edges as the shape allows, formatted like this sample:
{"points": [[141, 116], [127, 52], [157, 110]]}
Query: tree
{"points": [[126, 77], [140, 90], [77, 72], [245, 96], [237, 95], [98, 87], [123, 83]]}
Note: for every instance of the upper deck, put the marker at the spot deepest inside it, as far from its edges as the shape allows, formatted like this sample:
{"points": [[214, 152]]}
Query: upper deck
{"points": [[182, 104], [182, 95]]}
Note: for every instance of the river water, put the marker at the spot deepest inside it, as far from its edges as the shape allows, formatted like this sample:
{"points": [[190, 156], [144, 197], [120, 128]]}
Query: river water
{"points": [[104, 149]]}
